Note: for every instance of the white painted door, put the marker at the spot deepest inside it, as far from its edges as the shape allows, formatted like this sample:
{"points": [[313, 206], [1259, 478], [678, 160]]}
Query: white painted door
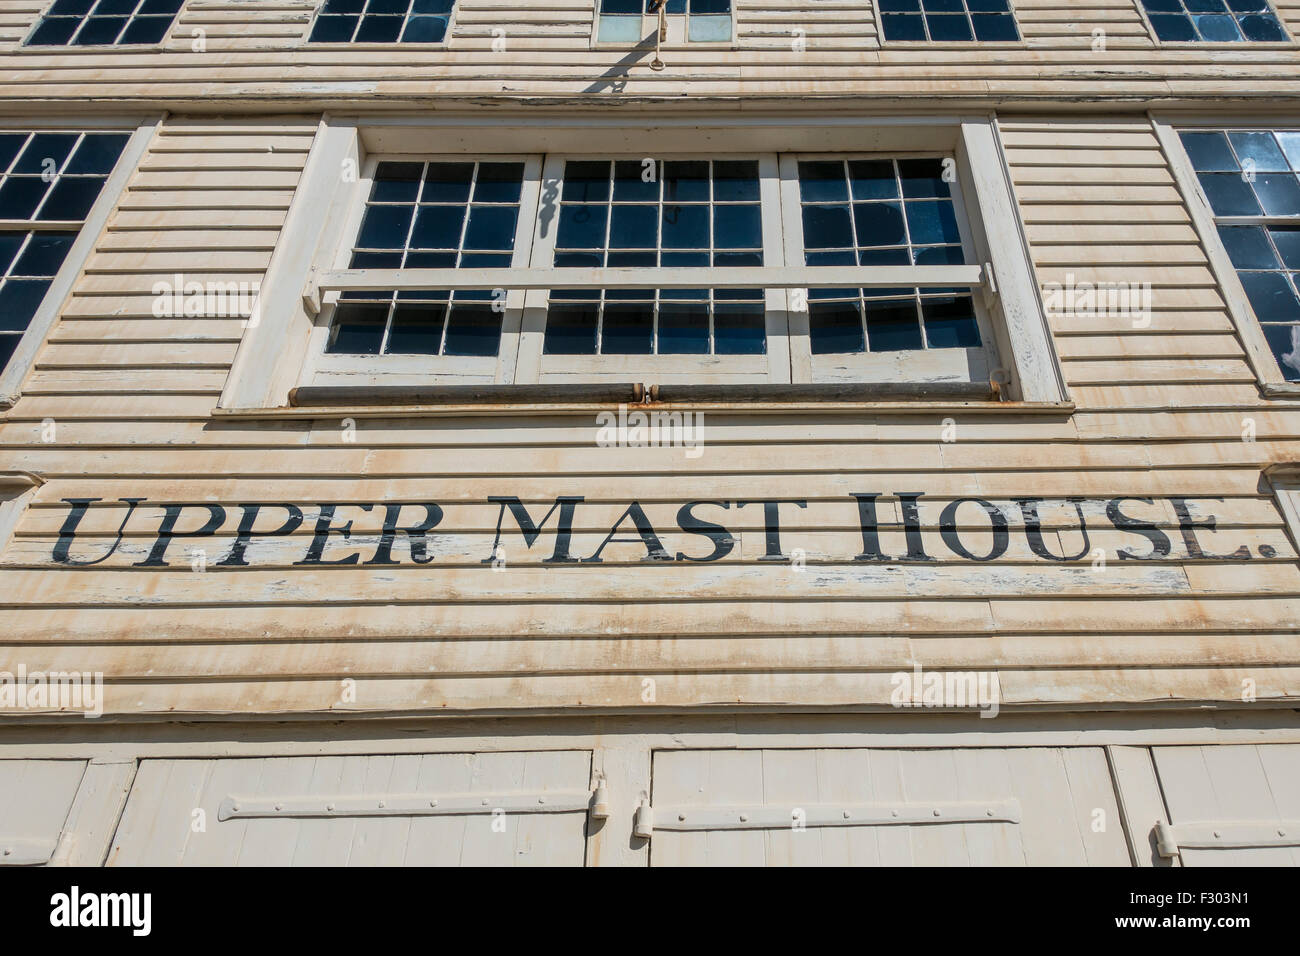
{"points": [[1231, 804], [1031, 806], [35, 797], [474, 809]]}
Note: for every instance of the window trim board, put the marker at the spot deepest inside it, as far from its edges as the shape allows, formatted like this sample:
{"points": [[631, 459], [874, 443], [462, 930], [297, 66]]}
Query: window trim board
{"points": [[1259, 356], [23, 360]]}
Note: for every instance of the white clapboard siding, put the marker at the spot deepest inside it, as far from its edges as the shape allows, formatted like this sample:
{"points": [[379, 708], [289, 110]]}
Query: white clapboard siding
{"points": [[156, 827], [232, 52], [1056, 793]]}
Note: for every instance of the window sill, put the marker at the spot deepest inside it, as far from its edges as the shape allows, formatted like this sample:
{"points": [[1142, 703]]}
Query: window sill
{"points": [[309, 402], [1281, 390]]}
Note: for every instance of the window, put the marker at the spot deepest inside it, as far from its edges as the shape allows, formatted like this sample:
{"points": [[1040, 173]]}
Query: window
{"points": [[706, 21], [705, 256], [104, 22], [678, 257], [382, 21], [948, 21], [1251, 180], [1214, 21], [49, 182], [883, 212]]}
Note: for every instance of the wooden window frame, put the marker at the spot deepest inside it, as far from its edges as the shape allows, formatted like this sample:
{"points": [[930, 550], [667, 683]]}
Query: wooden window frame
{"points": [[141, 133], [95, 47], [1268, 374], [442, 44], [1288, 43], [677, 33], [276, 348]]}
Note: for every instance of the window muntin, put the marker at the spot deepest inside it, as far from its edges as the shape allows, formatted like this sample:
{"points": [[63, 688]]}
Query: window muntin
{"points": [[883, 211], [431, 215], [1214, 21], [683, 213], [948, 21], [1251, 180], [104, 22], [48, 183], [382, 21]]}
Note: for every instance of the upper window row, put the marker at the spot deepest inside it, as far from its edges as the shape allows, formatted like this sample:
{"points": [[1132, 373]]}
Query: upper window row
{"points": [[125, 22]]}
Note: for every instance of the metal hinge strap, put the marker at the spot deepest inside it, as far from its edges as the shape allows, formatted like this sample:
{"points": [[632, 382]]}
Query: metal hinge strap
{"points": [[404, 804], [1227, 835], [766, 817]]}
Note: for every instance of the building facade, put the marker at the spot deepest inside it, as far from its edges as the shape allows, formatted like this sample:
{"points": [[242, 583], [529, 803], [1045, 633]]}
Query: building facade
{"points": [[752, 432]]}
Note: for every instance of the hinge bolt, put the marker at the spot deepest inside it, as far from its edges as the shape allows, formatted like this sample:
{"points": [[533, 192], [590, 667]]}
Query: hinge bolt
{"points": [[936, 813], [681, 816], [744, 817]]}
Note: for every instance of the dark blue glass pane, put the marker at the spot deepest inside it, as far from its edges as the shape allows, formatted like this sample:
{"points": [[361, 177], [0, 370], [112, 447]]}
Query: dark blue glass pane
{"points": [[690, 260], [160, 6], [628, 328], [995, 28], [1262, 29], [735, 181], [1209, 152], [686, 227], [740, 260], [71, 198], [896, 6], [881, 223], [738, 328], [396, 182], [873, 179], [10, 143], [893, 326], [10, 243], [18, 301], [827, 227], [629, 186], [417, 329], [97, 154], [1261, 149], [686, 182], [20, 195], [835, 327], [1229, 194], [122, 8], [923, 178], [499, 182], [737, 227], [1248, 247], [438, 227], [379, 29], [1206, 6], [54, 31], [1284, 340], [491, 227], [343, 6], [950, 323], [571, 329], [586, 182], [885, 257], [1287, 241], [634, 227], [632, 260], [1271, 296], [380, 260], [425, 30], [939, 256], [384, 227], [904, 27], [949, 28], [44, 254], [71, 7], [8, 345], [683, 328], [943, 6], [358, 329], [822, 182], [447, 182], [45, 153], [582, 227], [1278, 193], [932, 222], [473, 330], [333, 29], [146, 30], [1173, 28]]}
